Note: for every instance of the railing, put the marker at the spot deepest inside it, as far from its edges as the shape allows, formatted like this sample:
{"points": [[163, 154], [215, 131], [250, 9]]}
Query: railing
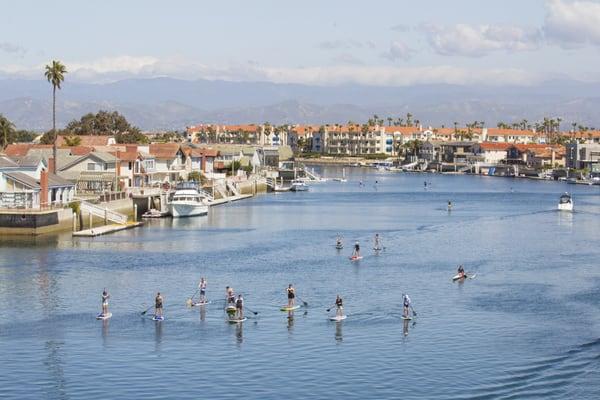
{"points": [[110, 196], [103, 212], [231, 186]]}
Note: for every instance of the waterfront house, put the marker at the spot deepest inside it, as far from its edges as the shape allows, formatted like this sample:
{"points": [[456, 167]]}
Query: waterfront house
{"points": [[457, 152], [491, 152], [171, 162], [515, 136], [93, 173], [26, 183], [583, 155], [430, 151], [548, 157]]}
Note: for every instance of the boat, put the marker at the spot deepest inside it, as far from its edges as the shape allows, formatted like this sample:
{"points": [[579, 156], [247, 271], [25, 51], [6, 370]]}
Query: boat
{"points": [[343, 178], [187, 201], [154, 213], [565, 202], [298, 185]]}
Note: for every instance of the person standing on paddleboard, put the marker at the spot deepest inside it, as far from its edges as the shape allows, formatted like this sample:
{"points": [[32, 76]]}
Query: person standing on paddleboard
{"points": [[461, 271], [158, 305], [407, 303], [291, 294], [377, 245], [356, 252], [338, 242], [105, 297], [339, 306], [202, 287], [239, 307], [230, 295]]}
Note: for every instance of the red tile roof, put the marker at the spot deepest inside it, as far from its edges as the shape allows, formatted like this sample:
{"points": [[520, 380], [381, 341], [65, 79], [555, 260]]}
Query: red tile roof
{"points": [[164, 150], [510, 132], [86, 140], [493, 146]]}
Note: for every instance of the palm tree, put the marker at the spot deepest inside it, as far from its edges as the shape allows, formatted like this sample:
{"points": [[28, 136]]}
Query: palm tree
{"points": [[390, 119], [6, 127], [55, 73]]}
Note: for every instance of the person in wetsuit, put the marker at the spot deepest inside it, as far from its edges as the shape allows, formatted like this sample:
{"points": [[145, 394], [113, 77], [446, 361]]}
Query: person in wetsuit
{"points": [[158, 305], [239, 307], [105, 297], [339, 306]]}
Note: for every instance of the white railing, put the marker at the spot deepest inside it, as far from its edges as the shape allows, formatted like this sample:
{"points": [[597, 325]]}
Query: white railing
{"points": [[231, 186], [101, 212]]}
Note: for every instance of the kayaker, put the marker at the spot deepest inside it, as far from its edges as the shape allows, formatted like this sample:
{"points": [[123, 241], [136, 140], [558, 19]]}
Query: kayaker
{"points": [[105, 297], [339, 306], [407, 303], [239, 307], [202, 287], [291, 295], [158, 305]]}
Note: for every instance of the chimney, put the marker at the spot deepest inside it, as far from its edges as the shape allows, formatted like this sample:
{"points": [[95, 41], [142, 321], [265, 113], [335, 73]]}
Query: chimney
{"points": [[203, 163], [51, 164], [44, 188]]}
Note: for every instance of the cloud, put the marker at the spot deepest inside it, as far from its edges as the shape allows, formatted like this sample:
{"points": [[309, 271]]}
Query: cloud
{"points": [[12, 48], [398, 51], [344, 44], [117, 68], [400, 28], [480, 40], [572, 24]]}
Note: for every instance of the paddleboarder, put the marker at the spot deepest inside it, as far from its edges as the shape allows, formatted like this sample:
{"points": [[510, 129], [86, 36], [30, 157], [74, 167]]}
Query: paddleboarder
{"points": [[339, 306], [461, 271], [239, 307], [356, 252], [105, 297], [407, 303], [230, 295], [202, 287], [158, 305], [338, 242], [449, 205], [291, 295], [377, 245]]}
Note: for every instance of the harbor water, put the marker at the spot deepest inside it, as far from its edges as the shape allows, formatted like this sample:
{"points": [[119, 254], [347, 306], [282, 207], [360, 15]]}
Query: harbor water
{"points": [[527, 325]]}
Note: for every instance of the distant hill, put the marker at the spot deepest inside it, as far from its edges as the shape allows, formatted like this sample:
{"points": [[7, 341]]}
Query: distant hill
{"points": [[165, 103]]}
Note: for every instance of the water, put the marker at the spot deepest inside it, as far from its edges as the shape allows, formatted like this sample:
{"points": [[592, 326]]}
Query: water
{"points": [[527, 326]]}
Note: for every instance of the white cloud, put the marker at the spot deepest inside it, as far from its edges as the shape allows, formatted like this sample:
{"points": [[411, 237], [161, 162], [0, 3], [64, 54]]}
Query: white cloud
{"points": [[573, 23], [479, 40], [12, 48], [398, 51], [112, 69], [400, 28]]}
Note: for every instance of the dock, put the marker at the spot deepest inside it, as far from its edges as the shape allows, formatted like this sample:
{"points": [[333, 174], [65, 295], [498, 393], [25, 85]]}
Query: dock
{"points": [[106, 229], [229, 199]]}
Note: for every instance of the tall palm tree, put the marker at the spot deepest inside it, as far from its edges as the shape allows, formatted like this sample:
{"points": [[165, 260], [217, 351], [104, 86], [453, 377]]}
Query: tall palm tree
{"points": [[55, 73], [6, 127]]}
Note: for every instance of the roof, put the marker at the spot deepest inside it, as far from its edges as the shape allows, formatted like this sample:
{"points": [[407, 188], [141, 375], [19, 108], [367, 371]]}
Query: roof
{"points": [[204, 152], [401, 129], [32, 160], [18, 149], [81, 150], [87, 140], [126, 155], [243, 128], [7, 162], [493, 146], [164, 151], [33, 183], [509, 132], [99, 155]]}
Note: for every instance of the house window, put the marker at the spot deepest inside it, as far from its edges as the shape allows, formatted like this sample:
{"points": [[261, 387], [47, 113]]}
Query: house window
{"points": [[91, 167]]}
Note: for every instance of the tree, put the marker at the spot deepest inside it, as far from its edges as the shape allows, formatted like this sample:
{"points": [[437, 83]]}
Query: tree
{"points": [[55, 74], [7, 128], [72, 140]]}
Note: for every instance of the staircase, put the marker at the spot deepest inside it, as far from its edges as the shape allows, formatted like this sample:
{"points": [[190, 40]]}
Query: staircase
{"points": [[101, 212], [231, 186]]}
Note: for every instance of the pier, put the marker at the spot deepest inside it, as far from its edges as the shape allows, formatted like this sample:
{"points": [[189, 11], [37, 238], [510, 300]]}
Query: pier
{"points": [[106, 229]]}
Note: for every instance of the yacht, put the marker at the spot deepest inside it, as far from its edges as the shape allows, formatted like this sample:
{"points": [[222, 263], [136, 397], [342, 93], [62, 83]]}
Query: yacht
{"points": [[299, 185], [565, 203], [187, 201]]}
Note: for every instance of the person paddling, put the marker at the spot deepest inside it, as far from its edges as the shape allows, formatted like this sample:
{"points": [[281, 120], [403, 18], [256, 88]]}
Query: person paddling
{"points": [[356, 252], [407, 304], [239, 307], [339, 306], [105, 297], [377, 245], [158, 305], [461, 272], [230, 295], [291, 295], [338, 242], [202, 288], [449, 205]]}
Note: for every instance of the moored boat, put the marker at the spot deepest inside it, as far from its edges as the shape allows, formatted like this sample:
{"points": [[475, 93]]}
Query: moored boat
{"points": [[187, 201], [565, 202]]}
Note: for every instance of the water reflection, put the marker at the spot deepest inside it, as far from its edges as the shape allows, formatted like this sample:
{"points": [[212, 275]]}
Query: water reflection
{"points": [[239, 333], [105, 325], [338, 331], [158, 335], [55, 364], [202, 312], [290, 322]]}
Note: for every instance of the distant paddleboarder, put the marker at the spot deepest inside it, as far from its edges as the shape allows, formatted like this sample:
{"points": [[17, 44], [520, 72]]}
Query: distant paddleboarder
{"points": [[105, 297], [407, 304], [291, 295], [449, 205], [377, 242], [158, 305], [202, 288], [356, 252], [339, 306]]}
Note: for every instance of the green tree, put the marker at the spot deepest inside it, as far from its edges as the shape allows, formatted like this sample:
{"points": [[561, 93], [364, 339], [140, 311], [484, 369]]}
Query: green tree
{"points": [[7, 128], [55, 74], [72, 140]]}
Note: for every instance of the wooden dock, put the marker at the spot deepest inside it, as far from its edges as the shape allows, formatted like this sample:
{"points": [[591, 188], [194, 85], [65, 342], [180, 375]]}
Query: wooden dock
{"points": [[106, 229], [229, 199]]}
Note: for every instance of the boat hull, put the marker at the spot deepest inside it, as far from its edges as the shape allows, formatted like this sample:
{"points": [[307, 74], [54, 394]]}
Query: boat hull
{"points": [[565, 207], [180, 210]]}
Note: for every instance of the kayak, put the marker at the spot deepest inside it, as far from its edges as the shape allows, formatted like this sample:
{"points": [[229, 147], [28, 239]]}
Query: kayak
{"points": [[286, 308], [158, 318], [338, 318], [236, 321], [104, 316], [355, 258]]}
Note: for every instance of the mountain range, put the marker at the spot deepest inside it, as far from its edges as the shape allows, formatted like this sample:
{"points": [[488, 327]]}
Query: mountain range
{"points": [[166, 103]]}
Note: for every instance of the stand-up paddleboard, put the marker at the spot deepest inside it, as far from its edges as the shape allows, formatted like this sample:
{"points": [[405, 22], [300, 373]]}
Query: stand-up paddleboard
{"points": [[104, 316], [406, 318], [158, 318], [236, 321], [377, 248], [286, 308], [338, 318], [339, 247], [457, 277], [355, 258], [468, 275], [200, 303]]}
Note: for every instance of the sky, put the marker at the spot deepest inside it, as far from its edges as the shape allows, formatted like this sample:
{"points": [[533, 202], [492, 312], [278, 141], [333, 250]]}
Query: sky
{"points": [[318, 42]]}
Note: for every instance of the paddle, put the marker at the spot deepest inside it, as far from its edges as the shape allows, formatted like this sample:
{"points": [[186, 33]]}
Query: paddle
{"points": [[329, 309], [191, 299], [146, 310], [305, 304], [253, 312], [413, 310]]}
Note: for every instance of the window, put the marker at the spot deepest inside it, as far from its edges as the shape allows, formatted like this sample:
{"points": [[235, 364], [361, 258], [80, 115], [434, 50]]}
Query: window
{"points": [[91, 167]]}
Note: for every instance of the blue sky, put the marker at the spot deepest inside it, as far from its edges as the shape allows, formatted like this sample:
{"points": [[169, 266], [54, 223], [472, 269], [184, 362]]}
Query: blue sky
{"points": [[314, 42]]}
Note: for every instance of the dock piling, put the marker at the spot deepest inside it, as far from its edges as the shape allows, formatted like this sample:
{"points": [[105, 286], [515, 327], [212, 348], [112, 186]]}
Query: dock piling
{"points": [[135, 213]]}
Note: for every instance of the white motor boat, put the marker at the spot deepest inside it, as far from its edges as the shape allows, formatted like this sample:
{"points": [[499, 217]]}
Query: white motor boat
{"points": [[565, 203], [187, 201], [299, 186]]}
